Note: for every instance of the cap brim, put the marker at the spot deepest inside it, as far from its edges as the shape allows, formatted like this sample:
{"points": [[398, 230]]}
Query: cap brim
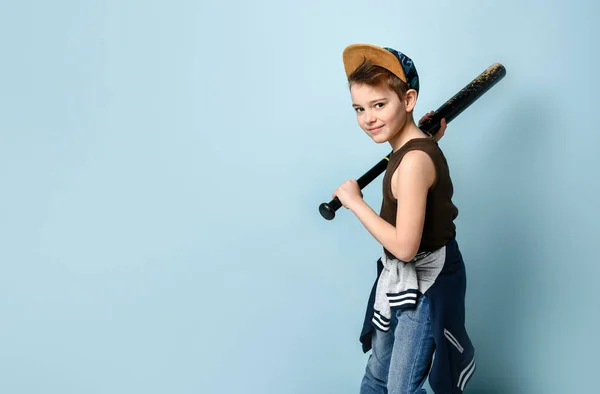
{"points": [[355, 54]]}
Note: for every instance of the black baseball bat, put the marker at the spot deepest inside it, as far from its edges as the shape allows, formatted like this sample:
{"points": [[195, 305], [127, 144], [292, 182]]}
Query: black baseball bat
{"points": [[449, 110]]}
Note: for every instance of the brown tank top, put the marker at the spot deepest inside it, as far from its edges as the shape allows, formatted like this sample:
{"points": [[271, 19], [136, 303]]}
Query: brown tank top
{"points": [[440, 211]]}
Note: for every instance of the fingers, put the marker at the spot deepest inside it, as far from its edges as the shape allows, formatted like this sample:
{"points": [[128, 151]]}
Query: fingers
{"points": [[426, 117], [345, 186], [442, 130]]}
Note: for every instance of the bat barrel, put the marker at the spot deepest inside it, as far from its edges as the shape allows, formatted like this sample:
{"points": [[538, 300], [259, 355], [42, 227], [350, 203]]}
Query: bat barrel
{"points": [[449, 111], [465, 97]]}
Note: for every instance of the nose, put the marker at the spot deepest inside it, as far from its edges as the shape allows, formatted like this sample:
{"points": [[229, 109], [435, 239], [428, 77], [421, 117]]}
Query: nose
{"points": [[370, 117]]}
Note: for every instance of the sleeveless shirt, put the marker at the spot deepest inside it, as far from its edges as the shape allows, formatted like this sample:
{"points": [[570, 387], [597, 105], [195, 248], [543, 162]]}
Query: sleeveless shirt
{"points": [[440, 211]]}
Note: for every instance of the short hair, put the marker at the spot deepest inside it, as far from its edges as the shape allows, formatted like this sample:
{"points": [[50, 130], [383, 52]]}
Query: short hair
{"points": [[373, 75]]}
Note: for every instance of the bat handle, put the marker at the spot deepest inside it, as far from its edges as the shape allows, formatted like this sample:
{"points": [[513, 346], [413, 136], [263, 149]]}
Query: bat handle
{"points": [[327, 210]]}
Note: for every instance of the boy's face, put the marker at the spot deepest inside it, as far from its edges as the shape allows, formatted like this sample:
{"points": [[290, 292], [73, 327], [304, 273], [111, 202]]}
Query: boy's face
{"points": [[379, 110]]}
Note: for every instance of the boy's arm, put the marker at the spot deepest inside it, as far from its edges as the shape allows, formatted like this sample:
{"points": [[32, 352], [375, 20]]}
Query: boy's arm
{"points": [[415, 174]]}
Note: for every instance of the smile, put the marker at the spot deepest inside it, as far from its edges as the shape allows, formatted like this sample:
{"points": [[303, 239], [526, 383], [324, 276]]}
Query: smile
{"points": [[375, 130]]}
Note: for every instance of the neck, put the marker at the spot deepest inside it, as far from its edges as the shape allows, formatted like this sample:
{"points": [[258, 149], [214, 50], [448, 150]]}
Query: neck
{"points": [[408, 132]]}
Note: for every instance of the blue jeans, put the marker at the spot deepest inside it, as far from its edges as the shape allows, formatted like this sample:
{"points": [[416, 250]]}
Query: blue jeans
{"points": [[401, 358]]}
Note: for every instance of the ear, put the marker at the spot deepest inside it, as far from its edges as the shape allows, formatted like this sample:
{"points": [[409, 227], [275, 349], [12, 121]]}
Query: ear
{"points": [[410, 99]]}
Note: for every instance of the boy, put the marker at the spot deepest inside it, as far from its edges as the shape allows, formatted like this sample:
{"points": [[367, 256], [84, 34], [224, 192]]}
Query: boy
{"points": [[416, 306]]}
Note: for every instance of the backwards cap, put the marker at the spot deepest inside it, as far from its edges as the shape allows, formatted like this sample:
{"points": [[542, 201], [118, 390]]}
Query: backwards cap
{"points": [[392, 60]]}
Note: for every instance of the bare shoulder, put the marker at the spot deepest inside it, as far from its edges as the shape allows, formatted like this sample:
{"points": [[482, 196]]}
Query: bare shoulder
{"points": [[415, 171], [416, 161]]}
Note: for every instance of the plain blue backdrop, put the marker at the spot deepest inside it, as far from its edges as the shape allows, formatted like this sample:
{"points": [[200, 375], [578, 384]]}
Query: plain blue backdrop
{"points": [[162, 163]]}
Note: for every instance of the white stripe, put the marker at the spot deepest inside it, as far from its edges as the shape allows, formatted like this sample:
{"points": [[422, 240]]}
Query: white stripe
{"points": [[396, 303], [379, 325], [462, 386], [460, 378], [400, 297], [453, 340], [381, 321]]}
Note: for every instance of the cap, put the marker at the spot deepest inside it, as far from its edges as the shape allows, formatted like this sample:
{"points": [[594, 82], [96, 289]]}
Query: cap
{"points": [[394, 61]]}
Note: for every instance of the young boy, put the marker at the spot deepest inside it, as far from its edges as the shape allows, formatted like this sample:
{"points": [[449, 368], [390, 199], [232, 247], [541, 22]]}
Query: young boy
{"points": [[416, 307]]}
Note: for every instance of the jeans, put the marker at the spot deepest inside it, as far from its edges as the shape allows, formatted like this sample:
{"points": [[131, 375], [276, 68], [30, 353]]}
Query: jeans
{"points": [[401, 358]]}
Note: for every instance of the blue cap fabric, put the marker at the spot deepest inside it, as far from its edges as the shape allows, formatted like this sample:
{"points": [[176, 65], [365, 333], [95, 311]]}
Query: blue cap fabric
{"points": [[412, 77]]}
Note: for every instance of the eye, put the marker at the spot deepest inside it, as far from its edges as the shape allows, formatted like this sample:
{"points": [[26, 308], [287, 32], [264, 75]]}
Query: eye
{"points": [[379, 105], [358, 109]]}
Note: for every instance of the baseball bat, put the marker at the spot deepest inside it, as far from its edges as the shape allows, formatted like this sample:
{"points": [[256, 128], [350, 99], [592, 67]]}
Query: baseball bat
{"points": [[449, 110]]}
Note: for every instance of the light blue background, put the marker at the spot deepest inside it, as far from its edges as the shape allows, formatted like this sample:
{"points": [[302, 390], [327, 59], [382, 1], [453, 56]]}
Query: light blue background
{"points": [[162, 162]]}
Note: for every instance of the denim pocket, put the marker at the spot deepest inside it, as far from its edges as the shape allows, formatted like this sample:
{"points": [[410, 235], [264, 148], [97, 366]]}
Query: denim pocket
{"points": [[421, 312]]}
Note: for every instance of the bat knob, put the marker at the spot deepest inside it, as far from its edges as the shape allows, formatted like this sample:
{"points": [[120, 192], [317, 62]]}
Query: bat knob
{"points": [[326, 211]]}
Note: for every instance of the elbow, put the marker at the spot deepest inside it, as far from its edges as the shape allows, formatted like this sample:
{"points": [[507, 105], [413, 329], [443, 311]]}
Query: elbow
{"points": [[405, 254], [405, 249], [407, 257]]}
